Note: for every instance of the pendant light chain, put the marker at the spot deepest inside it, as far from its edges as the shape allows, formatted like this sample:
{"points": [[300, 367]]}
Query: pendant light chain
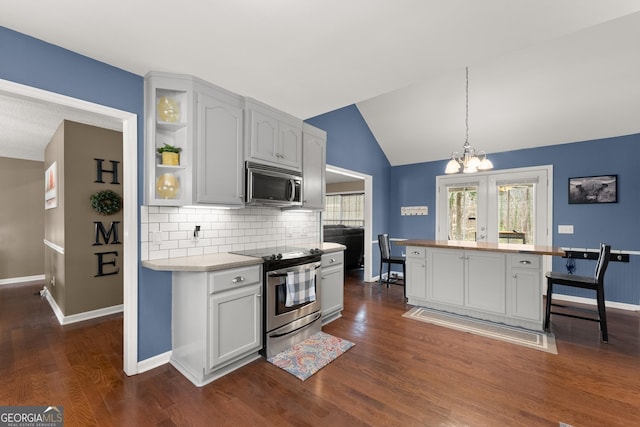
{"points": [[470, 160], [466, 119]]}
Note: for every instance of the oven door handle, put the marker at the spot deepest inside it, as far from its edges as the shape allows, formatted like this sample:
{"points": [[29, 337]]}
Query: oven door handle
{"points": [[294, 326], [283, 272]]}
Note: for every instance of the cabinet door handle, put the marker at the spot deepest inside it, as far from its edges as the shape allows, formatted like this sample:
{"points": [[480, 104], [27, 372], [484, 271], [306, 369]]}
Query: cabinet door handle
{"points": [[332, 260], [237, 279], [515, 276], [415, 253], [525, 262]]}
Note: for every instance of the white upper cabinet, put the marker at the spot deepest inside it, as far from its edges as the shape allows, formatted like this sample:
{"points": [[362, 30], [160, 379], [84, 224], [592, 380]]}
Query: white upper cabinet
{"points": [[314, 143], [214, 131], [205, 123], [272, 137], [219, 162]]}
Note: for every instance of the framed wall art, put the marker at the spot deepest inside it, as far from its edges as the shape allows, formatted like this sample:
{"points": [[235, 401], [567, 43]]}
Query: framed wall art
{"points": [[593, 189], [51, 186]]}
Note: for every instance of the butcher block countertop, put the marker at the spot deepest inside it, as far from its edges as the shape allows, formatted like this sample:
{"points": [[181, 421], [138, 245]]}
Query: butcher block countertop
{"points": [[483, 246], [214, 262]]}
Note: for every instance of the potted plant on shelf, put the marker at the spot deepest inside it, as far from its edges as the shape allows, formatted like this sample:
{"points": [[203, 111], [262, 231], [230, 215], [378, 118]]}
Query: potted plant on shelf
{"points": [[170, 154]]}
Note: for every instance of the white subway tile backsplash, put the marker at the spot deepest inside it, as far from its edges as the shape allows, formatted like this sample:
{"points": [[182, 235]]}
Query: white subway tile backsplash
{"points": [[175, 253], [169, 226], [222, 230], [161, 218]]}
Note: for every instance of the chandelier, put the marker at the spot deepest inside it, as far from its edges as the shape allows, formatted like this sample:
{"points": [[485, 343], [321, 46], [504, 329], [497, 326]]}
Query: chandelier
{"points": [[470, 161]]}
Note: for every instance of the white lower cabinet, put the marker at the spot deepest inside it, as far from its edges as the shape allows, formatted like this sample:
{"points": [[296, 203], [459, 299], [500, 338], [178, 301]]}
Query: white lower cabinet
{"points": [[504, 288], [485, 281], [216, 321], [525, 287], [416, 267], [445, 278], [234, 324], [332, 286]]}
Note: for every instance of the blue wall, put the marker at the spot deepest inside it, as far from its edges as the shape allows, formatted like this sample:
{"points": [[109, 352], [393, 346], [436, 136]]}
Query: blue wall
{"points": [[32, 62], [351, 145], [615, 223]]}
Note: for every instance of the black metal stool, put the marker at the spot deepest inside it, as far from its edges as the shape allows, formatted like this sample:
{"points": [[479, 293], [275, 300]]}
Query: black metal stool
{"points": [[595, 283]]}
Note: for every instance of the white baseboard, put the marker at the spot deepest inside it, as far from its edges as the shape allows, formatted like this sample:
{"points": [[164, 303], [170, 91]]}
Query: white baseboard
{"points": [[592, 301], [80, 317], [26, 280], [154, 362]]}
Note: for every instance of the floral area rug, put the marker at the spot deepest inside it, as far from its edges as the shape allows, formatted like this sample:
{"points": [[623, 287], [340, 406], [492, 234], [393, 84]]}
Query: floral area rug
{"points": [[308, 357]]}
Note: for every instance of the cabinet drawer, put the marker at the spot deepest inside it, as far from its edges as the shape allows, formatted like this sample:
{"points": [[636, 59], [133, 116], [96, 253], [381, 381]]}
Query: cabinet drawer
{"points": [[415, 252], [235, 278], [332, 259], [525, 261]]}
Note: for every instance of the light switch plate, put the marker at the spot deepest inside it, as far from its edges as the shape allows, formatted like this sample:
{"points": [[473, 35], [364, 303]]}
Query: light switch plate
{"points": [[565, 229]]}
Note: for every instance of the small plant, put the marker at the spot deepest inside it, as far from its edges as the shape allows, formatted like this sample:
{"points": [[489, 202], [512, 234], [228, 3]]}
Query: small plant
{"points": [[166, 148]]}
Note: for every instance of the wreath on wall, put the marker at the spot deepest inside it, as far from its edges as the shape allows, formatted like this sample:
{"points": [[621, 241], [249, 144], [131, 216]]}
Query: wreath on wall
{"points": [[106, 202]]}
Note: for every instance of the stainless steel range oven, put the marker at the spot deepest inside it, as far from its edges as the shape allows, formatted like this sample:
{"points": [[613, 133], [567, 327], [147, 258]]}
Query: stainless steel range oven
{"points": [[291, 296]]}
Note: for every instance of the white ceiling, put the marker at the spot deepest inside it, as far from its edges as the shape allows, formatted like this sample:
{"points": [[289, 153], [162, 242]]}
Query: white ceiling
{"points": [[540, 72]]}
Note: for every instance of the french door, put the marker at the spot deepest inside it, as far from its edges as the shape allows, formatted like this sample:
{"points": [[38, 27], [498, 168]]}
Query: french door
{"points": [[507, 206]]}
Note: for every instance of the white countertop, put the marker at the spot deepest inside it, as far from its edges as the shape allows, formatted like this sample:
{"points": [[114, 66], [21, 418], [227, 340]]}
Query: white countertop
{"points": [[213, 262], [210, 262], [332, 247]]}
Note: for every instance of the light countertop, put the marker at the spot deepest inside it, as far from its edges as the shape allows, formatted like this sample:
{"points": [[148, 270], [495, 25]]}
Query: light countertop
{"points": [[214, 262], [210, 262], [328, 247]]}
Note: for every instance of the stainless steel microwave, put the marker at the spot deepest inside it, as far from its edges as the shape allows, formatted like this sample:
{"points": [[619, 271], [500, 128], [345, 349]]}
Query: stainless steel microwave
{"points": [[272, 186]]}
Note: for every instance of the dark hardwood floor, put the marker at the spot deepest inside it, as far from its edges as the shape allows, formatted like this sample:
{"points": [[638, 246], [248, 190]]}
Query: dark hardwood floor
{"points": [[401, 372]]}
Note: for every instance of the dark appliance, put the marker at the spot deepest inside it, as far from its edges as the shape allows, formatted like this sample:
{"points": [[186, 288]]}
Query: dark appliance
{"points": [[272, 186], [286, 323]]}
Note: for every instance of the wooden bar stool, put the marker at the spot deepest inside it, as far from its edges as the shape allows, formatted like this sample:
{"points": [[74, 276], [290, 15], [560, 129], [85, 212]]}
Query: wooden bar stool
{"points": [[595, 283]]}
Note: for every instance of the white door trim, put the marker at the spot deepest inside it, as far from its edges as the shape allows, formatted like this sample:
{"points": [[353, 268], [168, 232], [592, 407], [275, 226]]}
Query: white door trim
{"points": [[130, 193], [368, 214]]}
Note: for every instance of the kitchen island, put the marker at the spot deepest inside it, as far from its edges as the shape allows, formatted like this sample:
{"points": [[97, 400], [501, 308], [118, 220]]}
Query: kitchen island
{"points": [[497, 282]]}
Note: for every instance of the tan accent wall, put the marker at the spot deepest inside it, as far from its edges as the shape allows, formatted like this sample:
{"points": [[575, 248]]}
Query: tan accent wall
{"points": [[346, 187], [21, 218], [77, 287], [54, 222]]}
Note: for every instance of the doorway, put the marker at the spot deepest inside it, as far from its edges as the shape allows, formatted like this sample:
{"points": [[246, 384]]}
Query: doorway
{"points": [[127, 124], [337, 174], [506, 206]]}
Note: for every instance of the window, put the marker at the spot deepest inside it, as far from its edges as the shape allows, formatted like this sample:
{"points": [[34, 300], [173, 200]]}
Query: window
{"points": [[345, 209], [463, 207], [516, 213]]}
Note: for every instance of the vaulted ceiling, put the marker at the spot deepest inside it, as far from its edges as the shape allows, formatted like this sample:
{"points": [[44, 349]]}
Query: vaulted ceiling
{"points": [[540, 72]]}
